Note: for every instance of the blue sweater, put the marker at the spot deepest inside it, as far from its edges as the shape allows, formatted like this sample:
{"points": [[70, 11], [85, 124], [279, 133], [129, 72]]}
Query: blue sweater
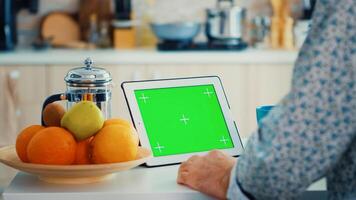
{"points": [[312, 133]]}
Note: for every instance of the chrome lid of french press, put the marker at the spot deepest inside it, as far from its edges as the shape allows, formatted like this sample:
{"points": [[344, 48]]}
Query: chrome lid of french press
{"points": [[88, 76]]}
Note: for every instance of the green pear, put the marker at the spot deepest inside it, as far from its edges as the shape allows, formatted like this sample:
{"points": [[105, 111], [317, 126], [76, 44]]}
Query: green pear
{"points": [[83, 120]]}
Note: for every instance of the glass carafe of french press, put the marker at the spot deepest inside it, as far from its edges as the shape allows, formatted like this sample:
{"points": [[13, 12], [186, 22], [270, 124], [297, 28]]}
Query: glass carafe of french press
{"points": [[86, 83]]}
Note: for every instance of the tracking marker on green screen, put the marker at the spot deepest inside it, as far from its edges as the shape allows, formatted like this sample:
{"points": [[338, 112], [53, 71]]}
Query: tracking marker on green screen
{"points": [[181, 120]]}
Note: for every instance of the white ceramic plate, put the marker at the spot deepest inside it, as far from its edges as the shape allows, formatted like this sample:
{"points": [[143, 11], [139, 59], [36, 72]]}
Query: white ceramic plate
{"points": [[71, 174]]}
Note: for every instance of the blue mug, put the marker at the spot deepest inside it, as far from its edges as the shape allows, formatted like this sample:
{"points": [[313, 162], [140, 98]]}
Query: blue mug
{"points": [[262, 112]]}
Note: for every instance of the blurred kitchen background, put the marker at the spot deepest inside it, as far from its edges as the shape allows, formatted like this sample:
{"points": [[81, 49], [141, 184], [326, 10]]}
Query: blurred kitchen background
{"points": [[250, 44]]}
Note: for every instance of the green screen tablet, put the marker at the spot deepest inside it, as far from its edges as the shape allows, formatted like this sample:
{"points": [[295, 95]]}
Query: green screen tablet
{"points": [[178, 118], [183, 119]]}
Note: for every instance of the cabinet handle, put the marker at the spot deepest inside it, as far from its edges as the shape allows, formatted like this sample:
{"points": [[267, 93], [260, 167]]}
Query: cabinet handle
{"points": [[136, 76], [14, 75], [156, 75]]}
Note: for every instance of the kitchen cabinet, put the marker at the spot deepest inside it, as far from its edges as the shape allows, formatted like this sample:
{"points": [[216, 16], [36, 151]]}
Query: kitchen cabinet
{"points": [[22, 91], [246, 85], [55, 78], [233, 78], [30, 85], [121, 73], [271, 82], [235, 81], [31, 82], [173, 71], [251, 78], [267, 85]]}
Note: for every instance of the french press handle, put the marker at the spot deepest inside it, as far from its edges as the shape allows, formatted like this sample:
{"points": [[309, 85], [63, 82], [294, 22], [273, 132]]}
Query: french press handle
{"points": [[51, 99]]}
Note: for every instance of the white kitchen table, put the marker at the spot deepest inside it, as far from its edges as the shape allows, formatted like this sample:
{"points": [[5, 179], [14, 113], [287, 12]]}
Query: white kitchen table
{"points": [[138, 183]]}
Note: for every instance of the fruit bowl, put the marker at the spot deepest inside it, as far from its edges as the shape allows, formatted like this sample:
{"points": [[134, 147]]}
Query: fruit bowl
{"points": [[71, 174]]}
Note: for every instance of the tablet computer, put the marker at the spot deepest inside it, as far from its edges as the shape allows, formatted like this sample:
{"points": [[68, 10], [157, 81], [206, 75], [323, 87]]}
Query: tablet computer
{"points": [[178, 118]]}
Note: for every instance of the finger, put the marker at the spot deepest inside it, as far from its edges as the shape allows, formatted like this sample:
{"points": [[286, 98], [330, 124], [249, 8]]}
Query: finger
{"points": [[215, 153], [182, 177], [224, 153], [193, 158], [184, 166]]}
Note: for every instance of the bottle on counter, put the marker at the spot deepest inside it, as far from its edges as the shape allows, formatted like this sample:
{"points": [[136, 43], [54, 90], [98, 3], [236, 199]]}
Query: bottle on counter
{"points": [[281, 25], [93, 34], [124, 27], [104, 37], [260, 31], [147, 38]]}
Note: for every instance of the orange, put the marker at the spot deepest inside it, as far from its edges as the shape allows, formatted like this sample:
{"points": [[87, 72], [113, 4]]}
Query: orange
{"points": [[117, 121], [114, 143], [23, 139], [122, 122], [82, 156], [52, 146]]}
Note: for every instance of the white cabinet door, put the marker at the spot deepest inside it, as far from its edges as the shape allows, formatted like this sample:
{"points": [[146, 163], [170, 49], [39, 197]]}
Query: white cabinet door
{"points": [[268, 84], [173, 71], [23, 91], [271, 82], [121, 73], [29, 82], [235, 82], [56, 76], [32, 92]]}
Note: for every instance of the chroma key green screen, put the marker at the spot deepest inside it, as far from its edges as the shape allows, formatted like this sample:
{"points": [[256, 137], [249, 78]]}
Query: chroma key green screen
{"points": [[183, 119]]}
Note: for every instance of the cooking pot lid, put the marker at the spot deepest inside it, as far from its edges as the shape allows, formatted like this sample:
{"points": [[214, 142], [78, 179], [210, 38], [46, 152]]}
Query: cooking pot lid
{"points": [[88, 75]]}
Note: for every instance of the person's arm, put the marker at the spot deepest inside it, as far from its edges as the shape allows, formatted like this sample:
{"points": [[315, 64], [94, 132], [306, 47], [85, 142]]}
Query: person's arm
{"points": [[234, 190], [305, 136]]}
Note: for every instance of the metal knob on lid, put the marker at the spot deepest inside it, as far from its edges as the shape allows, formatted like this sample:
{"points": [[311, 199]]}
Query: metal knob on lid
{"points": [[88, 63], [88, 76]]}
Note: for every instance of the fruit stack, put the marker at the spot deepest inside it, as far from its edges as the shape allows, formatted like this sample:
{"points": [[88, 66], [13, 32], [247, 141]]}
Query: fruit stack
{"points": [[79, 136]]}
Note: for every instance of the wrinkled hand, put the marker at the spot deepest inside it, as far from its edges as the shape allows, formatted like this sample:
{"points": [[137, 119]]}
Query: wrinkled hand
{"points": [[209, 174]]}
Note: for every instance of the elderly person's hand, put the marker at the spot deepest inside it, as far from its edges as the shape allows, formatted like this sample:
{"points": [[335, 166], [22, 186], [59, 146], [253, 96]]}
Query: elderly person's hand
{"points": [[209, 174]]}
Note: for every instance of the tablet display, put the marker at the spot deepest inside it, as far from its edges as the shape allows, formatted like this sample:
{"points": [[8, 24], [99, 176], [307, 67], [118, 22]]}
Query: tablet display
{"points": [[184, 119], [181, 117]]}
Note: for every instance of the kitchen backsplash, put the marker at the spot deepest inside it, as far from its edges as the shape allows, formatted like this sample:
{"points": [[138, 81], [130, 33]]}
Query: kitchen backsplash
{"points": [[159, 10]]}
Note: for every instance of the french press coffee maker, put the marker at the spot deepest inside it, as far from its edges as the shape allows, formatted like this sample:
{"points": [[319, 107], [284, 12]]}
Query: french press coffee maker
{"points": [[86, 83]]}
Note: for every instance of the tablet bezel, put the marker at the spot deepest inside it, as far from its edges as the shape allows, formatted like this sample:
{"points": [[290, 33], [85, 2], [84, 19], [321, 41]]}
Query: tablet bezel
{"points": [[129, 87]]}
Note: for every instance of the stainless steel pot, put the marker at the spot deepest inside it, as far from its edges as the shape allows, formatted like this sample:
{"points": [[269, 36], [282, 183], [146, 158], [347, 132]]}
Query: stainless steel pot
{"points": [[225, 23]]}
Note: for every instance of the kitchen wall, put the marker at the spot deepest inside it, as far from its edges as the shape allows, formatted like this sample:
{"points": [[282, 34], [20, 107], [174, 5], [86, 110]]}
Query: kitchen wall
{"points": [[159, 10]]}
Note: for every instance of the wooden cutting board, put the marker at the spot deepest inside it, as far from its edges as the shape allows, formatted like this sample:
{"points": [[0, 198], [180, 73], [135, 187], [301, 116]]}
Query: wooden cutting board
{"points": [[61, 27]]}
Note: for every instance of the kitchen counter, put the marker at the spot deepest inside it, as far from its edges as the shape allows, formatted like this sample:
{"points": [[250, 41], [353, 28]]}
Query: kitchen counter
{"points": [[145, 56]]}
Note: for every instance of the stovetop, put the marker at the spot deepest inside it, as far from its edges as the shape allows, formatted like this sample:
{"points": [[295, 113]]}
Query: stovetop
{"points": [[200, 46]]}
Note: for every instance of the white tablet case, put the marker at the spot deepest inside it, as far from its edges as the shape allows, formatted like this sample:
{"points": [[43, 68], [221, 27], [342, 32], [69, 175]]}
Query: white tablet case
{"points": [[131, 86]]}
